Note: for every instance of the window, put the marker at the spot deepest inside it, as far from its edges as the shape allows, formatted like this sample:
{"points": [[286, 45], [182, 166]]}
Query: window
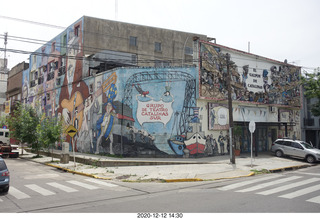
{"points": [[188, 51], [157, 47], [76, 30], [287, 143], [133, 41], [53, 47], [297, 145]]}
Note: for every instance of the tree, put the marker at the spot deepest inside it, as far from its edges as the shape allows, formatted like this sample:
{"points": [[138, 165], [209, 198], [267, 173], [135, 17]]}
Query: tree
{"points": [[2, 121], [311, 84], [48, 131], [22, 125]]}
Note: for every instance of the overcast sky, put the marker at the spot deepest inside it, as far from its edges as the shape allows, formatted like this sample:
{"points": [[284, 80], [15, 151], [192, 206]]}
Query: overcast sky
{"points": [[276, 29]]}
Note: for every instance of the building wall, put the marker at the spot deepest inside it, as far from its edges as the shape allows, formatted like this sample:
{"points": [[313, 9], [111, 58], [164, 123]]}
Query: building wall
{"points": [[14, 89], [128, 111], [263, 90], [310, 124], [111, 36], [164, 111]]}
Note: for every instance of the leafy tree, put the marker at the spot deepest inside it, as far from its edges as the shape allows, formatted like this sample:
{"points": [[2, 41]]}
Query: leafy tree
{"points": [[14, 123], [2, 121], [22, 125], [311, 84], [48, 131]]}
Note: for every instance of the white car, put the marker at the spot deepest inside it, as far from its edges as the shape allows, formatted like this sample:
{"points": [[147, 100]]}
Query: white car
{"points": [[295, 148]]}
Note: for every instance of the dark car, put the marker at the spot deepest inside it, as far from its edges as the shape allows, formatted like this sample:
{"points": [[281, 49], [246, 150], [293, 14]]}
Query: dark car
{"points": [[4, 176], [295, 148]]}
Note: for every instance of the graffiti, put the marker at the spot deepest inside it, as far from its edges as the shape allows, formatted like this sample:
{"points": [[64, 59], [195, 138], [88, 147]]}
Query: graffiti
{"points": [[276, 85]]}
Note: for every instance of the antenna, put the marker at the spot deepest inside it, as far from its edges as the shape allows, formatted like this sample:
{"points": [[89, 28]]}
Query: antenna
{"points": [[116, 9]]}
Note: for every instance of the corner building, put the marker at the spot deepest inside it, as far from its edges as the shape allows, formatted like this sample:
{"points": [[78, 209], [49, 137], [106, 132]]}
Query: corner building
{"points": [[133, 90]]}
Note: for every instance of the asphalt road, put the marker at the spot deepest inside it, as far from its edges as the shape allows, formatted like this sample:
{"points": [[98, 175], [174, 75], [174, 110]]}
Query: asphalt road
{"points": [[37, 188]]}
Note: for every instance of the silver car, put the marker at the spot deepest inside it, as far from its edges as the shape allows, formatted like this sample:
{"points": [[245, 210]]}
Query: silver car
{"points": [[295, 148], [4, 176]]}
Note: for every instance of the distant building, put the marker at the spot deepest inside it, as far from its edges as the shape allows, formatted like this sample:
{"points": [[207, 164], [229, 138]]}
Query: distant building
{"points": [[14, 88], [135, 90], [310, 124], [3, 84]]}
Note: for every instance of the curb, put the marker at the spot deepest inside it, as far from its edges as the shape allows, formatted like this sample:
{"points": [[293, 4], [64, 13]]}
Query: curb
{"points": [[75, 172], [197, 179], [282, 169]]}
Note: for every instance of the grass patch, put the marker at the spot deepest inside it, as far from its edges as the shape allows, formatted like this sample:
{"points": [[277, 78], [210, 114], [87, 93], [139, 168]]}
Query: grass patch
{"points": [[263, 171]]}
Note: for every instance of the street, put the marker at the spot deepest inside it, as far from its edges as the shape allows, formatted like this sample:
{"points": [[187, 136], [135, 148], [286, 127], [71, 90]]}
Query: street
{"points": [[37, 188]]}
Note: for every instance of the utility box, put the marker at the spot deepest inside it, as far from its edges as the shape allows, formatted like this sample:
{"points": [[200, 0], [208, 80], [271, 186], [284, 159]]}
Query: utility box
{"points": [[65, 157]]}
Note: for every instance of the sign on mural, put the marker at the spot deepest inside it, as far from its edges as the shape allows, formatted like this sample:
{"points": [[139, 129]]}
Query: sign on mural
{"points": [[154, 111]]}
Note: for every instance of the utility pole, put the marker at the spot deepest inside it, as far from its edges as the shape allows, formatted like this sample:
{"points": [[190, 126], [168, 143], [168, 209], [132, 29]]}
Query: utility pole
{"points": [[5, 51], [232, 155]]}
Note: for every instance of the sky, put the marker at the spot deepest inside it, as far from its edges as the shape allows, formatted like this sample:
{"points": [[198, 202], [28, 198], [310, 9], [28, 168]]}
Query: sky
{"points": [[275, 29]]}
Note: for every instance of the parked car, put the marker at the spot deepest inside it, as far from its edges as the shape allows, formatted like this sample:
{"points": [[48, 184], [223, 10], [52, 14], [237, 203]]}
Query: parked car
{"points": [[4, 176], [295, 148]]}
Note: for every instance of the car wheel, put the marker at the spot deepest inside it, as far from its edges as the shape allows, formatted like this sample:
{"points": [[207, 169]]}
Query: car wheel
{"points": [[310, 159], [279, 153]]}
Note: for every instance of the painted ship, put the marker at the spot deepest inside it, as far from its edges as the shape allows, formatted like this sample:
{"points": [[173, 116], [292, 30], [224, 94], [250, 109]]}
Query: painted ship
{"points": [[196, 142], [177, 144]]}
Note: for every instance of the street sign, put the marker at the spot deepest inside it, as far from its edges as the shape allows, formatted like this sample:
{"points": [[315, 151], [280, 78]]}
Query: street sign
{"points": [[252, 126], [71, 131]]}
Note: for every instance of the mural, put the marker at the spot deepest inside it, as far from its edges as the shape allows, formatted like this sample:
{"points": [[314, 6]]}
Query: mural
{"points": [[148, 111], [277, 84], [127, 111]]}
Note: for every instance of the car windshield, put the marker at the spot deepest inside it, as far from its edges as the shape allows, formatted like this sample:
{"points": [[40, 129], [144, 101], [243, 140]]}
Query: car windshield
{"points": [[306, 145]]}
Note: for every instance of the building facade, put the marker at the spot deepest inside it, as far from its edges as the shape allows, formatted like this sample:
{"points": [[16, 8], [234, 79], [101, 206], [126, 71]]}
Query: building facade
{"points": [[3, 85], [141, 91], [14, 89], [310, 124], [263, 90]]}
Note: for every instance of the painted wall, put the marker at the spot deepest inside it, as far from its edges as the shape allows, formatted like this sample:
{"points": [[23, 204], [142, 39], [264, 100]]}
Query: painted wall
{"points": [[254, 79], [263, 90], [128, 111], [151, 111]]}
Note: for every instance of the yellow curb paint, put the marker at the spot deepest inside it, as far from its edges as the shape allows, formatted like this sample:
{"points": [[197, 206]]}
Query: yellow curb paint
{"points": [[79, 173], [183, 180]]}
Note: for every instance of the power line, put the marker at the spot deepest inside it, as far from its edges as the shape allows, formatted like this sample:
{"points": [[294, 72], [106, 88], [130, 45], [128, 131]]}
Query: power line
{"points": [[32, 22]]}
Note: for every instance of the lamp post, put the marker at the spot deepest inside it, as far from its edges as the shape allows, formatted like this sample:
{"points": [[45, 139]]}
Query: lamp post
{"points": [[232, 154]]}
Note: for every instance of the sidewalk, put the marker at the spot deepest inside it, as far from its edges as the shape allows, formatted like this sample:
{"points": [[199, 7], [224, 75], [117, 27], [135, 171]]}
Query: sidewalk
{"points": [[168, 169]]}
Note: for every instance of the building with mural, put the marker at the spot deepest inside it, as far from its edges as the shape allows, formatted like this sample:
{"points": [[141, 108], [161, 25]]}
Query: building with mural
{"points": [[263, 90], [156, 92]]}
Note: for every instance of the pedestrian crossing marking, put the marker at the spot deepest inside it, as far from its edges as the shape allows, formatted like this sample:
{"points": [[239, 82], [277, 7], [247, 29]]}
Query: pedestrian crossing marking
{"points": [[101, 182], [301, 192], [17, 193], [1, 200], [84, 185], [39, 189], [62, 187], [288, 186], [263, 185], [244, 183], [314, 200]]}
